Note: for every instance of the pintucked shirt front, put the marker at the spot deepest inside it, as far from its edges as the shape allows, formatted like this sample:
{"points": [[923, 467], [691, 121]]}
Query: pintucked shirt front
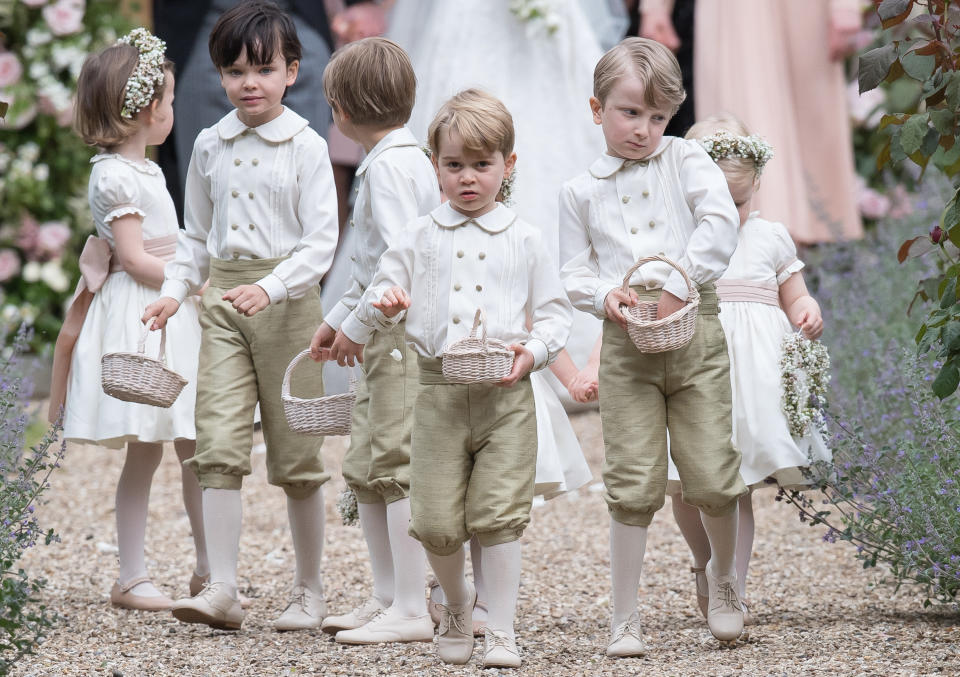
{"points": [[452, 264], [674, 203], [257, 193], [396, 184]]}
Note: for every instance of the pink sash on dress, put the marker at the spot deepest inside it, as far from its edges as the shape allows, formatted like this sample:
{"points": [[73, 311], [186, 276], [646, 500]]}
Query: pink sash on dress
{"points": [[747, 290], [97, 262]]}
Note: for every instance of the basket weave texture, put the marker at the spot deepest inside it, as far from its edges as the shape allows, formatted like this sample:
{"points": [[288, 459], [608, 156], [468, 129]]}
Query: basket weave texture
{"points": [[651, 335], [134, 377], [328, 415], [477, 359]]}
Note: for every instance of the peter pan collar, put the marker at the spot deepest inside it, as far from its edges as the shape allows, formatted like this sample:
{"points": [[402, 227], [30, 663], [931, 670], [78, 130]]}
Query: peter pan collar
{"points": [[282, 128], [395, 139], [145, 167], [495, 221], [607, 165]]}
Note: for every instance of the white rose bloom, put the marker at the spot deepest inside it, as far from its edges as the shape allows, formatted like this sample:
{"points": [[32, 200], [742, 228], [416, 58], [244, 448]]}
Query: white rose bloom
{"points": [[52, 274], [29, 151], [10, 313], [31, 271], [41, 172], [39, 70], [37, 37]]}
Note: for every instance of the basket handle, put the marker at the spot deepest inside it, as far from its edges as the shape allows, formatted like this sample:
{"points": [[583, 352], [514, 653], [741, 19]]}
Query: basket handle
{"points": [[285, 386], [142, 344], [480, 320], [649, 259]]}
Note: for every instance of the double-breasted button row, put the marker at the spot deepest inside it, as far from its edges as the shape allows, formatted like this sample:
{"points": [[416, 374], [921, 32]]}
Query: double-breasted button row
{"points": [[235, 226], [237, 162]]}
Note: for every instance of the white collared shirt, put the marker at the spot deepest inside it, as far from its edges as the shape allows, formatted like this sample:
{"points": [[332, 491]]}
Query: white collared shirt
{"points": [[396, 184], [675, 203], [451, 264], [256, 193]]}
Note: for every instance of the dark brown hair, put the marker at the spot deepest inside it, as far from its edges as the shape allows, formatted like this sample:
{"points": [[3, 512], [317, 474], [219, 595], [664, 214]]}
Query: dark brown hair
{"points": [[372, 82], [100, 92], [261, 28]]}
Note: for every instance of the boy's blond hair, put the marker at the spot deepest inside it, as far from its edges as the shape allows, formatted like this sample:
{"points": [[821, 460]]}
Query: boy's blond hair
{"points": [[741, 172], [481, 120], [654, 64], [372, 82]]}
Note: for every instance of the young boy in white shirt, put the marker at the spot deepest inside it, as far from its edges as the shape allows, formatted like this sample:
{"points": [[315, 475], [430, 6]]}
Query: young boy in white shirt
{"points": [[261, 223], [648, 195], [371, 86], [474, 446]]}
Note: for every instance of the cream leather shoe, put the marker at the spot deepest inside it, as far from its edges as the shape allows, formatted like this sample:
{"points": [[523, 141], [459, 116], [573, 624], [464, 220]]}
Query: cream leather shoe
{"points": [[121, 596], [499, 650], [387, 627], [304, 612], [214, 606], [725, 614], [197, 583], [455, 636], [625, 640], [359, 617], [703, 595]]}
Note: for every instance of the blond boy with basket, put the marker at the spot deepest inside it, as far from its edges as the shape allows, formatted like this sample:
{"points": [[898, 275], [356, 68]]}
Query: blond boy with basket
{"points": [[371, 85], [474, 447], [652, 195]]}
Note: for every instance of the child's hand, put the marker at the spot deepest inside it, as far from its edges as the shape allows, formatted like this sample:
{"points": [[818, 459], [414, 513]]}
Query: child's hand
{"points": [[160, 311], [345, 351], [584, 386], [810, 321], [321, 342], [616, 298], [668, 305], [657, 25], [522, 364], [248, 299], [394, 301]]}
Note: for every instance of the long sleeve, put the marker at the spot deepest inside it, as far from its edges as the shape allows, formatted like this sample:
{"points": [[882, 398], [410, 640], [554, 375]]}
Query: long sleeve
{"points": [[580, 270], [549, 309], [395, 270], [187, 272]]}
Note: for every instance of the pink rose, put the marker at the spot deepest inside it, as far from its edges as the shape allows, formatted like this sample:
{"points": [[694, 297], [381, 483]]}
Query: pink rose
{"points": [[27, 236], [9, 264], [52, 237], [65, 17], [10, 69]]}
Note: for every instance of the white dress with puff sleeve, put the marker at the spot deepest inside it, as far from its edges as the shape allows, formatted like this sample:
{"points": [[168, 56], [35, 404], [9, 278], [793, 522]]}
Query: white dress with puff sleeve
{"points": [[120, 187]]}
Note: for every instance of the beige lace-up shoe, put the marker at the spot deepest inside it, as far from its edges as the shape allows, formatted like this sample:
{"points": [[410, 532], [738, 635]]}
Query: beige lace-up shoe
{"points": [[389, 627], [625, 640], [499, 650], [304, 612], [725, 613], [214, 606], [359, 617], [455, 635]]}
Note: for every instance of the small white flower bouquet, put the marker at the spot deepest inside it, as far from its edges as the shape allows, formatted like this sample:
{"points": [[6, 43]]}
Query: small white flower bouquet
{"points": [[804, 375], [347, 507]]}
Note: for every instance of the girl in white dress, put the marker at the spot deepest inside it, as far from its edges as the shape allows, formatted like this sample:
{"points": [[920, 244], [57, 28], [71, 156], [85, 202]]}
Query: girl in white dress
{"points": [[136, 233], [763, 297]]}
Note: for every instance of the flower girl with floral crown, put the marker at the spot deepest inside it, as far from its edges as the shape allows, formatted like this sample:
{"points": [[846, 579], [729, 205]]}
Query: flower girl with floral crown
{"points": [[124, 104], [763, 297]]}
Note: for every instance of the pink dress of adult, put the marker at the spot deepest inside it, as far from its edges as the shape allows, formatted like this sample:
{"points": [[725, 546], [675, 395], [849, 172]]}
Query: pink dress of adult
{"points": [[777, 65]]}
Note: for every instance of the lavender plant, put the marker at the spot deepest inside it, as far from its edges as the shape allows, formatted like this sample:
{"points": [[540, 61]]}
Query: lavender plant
{"points": [[24, 475]]}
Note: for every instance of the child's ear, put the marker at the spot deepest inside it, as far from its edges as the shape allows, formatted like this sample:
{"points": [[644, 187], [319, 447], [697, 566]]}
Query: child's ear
{"points": [[509, 164], [292, 69], [596, 107]]}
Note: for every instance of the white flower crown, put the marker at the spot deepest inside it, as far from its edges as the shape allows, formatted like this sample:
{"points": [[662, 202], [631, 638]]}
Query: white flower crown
{"points": [[723, 144], [147, 74]]}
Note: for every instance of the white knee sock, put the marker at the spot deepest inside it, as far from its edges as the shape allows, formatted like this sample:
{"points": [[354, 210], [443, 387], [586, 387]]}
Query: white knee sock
{"points": [[449, 572], [409, 562], [132, 501], [627, 547], [476, 560], [222, 517], [688, 519], [373, 522], [307, 519], [193, 504], [744, 542], [501, 562], [722, 532]]}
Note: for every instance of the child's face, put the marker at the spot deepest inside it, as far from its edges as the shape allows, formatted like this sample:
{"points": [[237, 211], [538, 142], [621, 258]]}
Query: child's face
{"points": [[161, 113], [632, 129], [257, 90], [470, 180]]}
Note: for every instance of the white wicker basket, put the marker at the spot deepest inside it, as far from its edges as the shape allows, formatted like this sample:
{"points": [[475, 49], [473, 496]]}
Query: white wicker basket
{"points": [[477, 359], [134, 377], [651, 335], [328, 415]]}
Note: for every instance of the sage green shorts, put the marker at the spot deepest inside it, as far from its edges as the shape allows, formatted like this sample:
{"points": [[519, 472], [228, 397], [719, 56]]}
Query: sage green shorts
{"points": [[242, 361], [473, 461], [685, 391], [377, 464]]}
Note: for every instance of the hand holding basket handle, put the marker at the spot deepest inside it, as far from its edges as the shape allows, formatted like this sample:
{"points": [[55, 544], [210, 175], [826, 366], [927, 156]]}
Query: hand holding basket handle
{"points": [[653, 335], [328, 415], [476, 359]]}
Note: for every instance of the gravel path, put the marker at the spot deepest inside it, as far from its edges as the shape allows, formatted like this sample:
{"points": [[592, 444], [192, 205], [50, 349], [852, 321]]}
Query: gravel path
{"points": [[818, 611]]}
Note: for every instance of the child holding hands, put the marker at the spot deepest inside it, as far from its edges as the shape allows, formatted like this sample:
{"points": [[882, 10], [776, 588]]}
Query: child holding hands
{"points": [[474, 446], [261, 222], [648, 195], [371, 86]]}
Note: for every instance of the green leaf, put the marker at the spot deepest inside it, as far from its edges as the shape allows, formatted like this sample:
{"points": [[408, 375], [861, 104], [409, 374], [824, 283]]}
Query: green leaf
{"points": [[947, 381], [930, 142], [943, 119], [896, 150], [949, 294], [912, 133], [874, 66], [951, 215], [951, 337], [889, 9], [953, 91], [917, 66]]}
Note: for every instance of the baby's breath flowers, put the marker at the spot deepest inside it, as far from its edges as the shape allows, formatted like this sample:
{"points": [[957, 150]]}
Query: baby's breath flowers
{"points": [[147, 74], [723, 144], [804, 375], [347, 507]]}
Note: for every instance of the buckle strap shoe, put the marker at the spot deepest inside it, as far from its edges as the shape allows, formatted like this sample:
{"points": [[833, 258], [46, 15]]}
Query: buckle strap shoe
{"points": [[304, 612], [455, 635], [214, 606], [121, 596], [359, 617], [625, 640], [500, 650], [388, 627], [725, 613]]}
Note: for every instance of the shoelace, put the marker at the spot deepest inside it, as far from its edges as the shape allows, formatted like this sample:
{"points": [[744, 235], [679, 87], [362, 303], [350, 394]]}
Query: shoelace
{"points": [[629, 627], [495, 639], [727, 597], [451, 617], [298, 597], [368, 611]]}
